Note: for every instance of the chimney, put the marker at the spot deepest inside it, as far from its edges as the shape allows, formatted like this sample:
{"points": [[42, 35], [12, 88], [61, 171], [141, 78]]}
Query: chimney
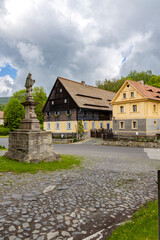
{"points": [[141, 81], [83, 82]]}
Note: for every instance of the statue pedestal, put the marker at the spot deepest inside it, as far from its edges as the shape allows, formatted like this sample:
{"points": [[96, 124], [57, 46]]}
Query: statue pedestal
{"points": [[29, 143], [31, 146]]}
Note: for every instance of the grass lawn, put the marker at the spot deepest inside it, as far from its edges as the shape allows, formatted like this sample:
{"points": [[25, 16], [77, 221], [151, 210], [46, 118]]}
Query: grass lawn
{"points": [[144, 225], [4, 136], [68, 161]]}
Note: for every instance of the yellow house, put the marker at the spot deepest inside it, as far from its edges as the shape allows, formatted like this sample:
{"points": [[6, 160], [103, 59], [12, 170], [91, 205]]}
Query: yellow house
{"points": [[136, 109], [70, 102]]}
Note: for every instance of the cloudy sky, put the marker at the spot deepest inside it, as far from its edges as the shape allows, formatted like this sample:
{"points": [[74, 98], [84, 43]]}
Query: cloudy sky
{"points": [[86, 40]]}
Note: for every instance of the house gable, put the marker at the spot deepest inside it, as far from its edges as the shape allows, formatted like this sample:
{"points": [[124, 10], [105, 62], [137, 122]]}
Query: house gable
{"points": [[128, 92]]}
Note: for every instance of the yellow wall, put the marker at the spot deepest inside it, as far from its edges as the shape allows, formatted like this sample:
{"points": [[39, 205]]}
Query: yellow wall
{"points": [[74, 128], [144, 106]]}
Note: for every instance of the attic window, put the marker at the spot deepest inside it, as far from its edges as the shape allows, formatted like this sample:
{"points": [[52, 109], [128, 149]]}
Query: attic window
{"points": [[128, 85], [158, 92], [150, 90], [157, 96], [109, 100], [81, 95]]}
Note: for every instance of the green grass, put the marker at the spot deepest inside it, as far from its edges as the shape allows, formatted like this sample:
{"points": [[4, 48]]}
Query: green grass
{"points": [[4, 136], [144, 225], [68, 161]]}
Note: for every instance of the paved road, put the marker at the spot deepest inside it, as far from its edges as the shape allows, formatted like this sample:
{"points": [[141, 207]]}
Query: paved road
{"points": [[84, 203]]}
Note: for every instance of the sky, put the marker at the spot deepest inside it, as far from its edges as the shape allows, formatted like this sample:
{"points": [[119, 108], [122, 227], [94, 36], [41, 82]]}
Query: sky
{"points": [[82, 40]]}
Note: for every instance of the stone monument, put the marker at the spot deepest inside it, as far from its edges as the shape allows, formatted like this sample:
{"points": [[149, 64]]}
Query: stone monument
{"points": [[29, 143]]}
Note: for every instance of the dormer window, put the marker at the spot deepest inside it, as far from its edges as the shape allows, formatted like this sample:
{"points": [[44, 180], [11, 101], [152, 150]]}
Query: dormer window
{"points": [[132, 94], [150, 90], [65, 100]]}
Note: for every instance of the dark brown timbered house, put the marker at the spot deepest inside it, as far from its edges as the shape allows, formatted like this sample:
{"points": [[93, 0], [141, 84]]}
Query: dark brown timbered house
{"points": [[70, 102]]}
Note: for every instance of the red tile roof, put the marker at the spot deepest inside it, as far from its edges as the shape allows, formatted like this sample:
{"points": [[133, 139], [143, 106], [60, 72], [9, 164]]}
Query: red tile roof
{"points": [[1, 115], [148, 91]]}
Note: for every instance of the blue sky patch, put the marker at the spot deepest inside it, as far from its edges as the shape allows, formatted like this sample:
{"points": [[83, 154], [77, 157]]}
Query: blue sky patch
{"points": [[8, 70]]}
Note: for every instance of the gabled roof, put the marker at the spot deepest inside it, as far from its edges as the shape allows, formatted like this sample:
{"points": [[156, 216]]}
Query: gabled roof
{"points": [[86, 96], [146, 90], [1, 115]]}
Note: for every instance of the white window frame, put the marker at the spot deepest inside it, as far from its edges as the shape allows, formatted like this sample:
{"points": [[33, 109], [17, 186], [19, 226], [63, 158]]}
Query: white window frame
{"points": [[93, 125], [57, 126], [68, 125], [85, 125], [134, 121], [120, 125], [133, 107], [48, 125], [121, 109]]}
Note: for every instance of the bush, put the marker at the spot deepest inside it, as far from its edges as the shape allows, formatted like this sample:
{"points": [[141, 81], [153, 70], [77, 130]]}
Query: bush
{"points": [[75, 140], [4, 131]]}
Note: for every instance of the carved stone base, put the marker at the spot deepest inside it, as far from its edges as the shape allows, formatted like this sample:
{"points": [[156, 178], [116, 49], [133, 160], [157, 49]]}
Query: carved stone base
{"points": [[31, 146]]}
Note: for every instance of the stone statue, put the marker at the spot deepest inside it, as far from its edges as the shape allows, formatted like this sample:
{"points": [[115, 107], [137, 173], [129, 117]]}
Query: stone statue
{"points": [[29, 83]]}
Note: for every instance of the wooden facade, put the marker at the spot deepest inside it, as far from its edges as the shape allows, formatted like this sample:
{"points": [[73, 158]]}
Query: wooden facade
{"points": [[62, 107]]}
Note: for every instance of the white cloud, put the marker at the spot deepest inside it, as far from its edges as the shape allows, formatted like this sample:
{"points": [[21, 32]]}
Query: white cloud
{"points": [[78, 39], [6, 84]]}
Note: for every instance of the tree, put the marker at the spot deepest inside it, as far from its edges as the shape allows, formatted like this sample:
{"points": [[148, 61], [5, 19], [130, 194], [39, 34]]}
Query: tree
{"points": [[2, 107], [39, 96], [154, 81], [13, 114], [20, 95], [115, 85]]}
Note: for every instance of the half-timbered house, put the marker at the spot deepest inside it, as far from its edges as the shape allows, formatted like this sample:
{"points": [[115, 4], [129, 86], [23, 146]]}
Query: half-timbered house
{"points": [[70, 102]]}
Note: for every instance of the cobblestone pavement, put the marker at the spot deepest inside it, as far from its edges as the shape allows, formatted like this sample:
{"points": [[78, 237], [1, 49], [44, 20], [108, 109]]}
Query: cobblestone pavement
{"points": [[83, 203]]}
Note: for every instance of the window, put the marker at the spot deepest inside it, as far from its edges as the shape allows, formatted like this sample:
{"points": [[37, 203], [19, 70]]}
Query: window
{"points": [[85, 113], [60, 90], [69, 112], [101, 125], [85, 125], [155, 122], [121, 125], [93, 125], [56, 113], [124, 95], [52, 102], [57, 125], [154, 108], [48, 126], [134, 108], [93, 114], [48, 114], [65, 100], [132, 94], [134, 124], [68, 126], [121, 109], [128, 85]]}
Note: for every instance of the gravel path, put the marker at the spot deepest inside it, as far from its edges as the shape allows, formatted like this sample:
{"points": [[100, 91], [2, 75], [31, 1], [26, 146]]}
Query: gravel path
{"points": [[73, 204]]}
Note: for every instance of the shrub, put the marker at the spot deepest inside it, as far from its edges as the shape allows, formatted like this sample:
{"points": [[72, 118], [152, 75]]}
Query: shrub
{"points": [[4, 131]]}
